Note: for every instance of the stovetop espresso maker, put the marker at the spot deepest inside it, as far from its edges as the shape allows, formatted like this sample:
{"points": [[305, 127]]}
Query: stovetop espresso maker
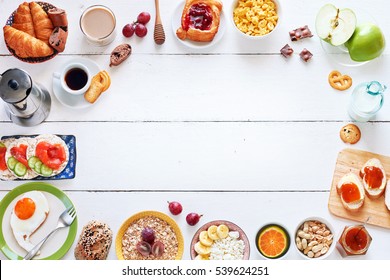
{"points": [[27, 103]]}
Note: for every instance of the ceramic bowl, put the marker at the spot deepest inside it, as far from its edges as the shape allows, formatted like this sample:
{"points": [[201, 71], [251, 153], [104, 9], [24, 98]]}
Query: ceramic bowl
{"points": [[172, 223], [231, 226], [278, 9], [329, 227], [280, 228]]}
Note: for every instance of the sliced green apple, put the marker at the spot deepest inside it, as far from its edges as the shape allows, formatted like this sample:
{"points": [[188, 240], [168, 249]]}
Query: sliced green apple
{"points": [[334, 25], [366, 43]]}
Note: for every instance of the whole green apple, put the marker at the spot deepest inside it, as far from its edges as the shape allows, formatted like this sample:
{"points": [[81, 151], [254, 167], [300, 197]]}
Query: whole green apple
{"points": [[366, 43]]}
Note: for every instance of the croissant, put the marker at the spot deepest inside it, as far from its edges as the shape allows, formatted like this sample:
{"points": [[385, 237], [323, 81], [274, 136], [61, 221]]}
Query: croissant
{"points": [[23, 20], [200, 20], [24, 44], [42, 24]]}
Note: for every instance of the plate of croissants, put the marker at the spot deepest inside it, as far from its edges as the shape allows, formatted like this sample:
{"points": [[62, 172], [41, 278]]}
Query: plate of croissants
{"points": [[36, 32]]}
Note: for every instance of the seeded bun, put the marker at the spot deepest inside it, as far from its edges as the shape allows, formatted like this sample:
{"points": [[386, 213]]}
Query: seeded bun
{"points": [[94, 242], [351, 178]]}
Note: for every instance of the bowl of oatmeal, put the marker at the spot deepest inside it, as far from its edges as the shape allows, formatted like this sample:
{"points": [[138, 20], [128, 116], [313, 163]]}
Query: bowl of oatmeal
{"points": [[149, 235], [220, 240]]}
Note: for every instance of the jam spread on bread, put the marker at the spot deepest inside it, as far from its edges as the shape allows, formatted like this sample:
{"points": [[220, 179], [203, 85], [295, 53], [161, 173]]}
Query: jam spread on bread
{"points": [[199, 17], [350, 192], [200, 20], [373, 176]]}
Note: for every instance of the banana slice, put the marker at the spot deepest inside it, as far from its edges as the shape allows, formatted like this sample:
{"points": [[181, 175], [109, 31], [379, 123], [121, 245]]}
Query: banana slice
{"points": [[222, 231], [202, 257], [212, 232], [201, 249], [205, 239]]}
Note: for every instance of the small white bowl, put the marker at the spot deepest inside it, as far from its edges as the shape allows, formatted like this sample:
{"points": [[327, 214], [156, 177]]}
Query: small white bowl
{"points": [[331, 229], [278, 11]]}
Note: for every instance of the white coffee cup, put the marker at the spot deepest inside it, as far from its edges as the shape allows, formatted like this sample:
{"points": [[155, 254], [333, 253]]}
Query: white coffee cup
{"points": [[75, 78]]}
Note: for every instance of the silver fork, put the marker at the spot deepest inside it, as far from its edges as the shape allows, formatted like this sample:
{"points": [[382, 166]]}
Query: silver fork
{"points": [[66, 219]]}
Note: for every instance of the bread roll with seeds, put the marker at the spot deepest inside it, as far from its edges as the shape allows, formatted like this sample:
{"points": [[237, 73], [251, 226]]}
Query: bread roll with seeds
{"points": [[94, 242]]}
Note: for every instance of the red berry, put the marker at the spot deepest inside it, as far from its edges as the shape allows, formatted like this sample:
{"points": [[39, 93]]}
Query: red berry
{"points": [[140, 30], [128, 30], [193, 218], [175, 207], [143, 18]]}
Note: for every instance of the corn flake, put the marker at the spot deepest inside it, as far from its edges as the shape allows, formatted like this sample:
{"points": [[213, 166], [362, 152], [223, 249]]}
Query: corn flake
{"points": [[255, 17]]}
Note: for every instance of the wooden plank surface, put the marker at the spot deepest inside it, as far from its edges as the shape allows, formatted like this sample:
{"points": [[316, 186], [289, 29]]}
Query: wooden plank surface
{"points": [[375, 210]]}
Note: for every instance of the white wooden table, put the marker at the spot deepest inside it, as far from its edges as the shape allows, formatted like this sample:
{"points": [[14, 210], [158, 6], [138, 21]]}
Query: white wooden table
{"points": [[234, 131]]}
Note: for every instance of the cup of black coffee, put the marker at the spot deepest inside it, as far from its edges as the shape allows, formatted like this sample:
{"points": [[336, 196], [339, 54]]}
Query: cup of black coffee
{"points": [[75, 78]]}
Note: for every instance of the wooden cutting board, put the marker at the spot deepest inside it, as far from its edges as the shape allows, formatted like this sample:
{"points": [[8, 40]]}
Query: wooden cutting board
{"points": [[350, 160]]}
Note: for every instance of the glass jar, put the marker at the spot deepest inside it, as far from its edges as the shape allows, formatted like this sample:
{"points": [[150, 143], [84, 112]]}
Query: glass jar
{"points": [[354, 240]]}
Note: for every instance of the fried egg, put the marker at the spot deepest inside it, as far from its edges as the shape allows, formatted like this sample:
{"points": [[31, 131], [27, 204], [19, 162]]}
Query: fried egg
{"points": [[28, 214]]}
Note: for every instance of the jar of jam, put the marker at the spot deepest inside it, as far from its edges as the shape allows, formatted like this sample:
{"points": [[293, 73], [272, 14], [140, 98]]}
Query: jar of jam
{"points": [[355, 240]]}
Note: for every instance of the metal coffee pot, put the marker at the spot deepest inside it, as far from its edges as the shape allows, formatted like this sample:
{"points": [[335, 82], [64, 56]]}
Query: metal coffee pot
{"points": [[27, 103]]}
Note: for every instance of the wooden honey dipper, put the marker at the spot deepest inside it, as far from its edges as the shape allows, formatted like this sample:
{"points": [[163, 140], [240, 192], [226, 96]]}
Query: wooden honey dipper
{"points": [[159, 34]]}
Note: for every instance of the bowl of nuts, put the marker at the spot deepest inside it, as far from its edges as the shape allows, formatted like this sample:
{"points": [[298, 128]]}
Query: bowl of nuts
{"points": [[314, 238], [256, 19]]}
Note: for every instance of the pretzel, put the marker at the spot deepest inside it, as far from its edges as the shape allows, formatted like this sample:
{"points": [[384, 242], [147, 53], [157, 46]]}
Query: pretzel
{"points": [[338, 81]]}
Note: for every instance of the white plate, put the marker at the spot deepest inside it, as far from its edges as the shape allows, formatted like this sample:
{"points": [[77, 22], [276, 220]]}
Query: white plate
{"points": [[74, 101], [176, 23]]}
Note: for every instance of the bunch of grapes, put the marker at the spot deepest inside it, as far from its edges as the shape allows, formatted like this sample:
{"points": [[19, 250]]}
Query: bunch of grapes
{"points": [[138, 27]]}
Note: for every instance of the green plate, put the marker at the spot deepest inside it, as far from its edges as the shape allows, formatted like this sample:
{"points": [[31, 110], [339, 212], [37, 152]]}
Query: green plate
{"points": [[44, 187]]}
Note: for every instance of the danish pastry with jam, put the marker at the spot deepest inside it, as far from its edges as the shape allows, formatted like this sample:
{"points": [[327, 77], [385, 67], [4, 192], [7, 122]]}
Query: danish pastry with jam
{"points": [[200, 20]]}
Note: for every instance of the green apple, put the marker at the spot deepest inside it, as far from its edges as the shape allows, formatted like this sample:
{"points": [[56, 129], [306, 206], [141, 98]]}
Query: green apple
{"points": [[366, 43], [335, 26]]}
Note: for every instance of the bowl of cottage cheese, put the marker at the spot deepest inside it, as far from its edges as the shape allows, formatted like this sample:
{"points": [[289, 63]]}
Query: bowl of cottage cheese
{"points": [[220, 240]]}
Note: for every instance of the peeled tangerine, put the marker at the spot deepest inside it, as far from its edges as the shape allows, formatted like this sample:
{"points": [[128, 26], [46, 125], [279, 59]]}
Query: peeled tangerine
{"points": [[351, 192], [374, 177]]}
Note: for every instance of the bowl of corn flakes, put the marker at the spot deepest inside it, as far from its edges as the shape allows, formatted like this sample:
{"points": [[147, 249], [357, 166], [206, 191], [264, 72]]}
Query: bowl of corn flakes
{"points": [[256, 18]]}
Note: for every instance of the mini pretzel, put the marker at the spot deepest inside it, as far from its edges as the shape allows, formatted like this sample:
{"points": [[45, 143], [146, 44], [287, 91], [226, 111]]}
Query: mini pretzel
{"points": [[338, 81]]}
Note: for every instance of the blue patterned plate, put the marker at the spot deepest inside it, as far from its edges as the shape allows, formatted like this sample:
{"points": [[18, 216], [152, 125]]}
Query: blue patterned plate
{"points": [[70, 170]]}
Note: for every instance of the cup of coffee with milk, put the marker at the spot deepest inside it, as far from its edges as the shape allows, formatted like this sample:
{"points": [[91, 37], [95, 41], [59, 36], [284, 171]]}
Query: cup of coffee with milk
{"points": [[98, 25]]}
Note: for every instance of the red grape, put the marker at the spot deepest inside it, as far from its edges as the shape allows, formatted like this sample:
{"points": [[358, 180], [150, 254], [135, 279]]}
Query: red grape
{"points": [[175, 207], [193, 218], [140, 30], [128, 30], [143, 18], [158, 249], [148, 235], [144, 248]]}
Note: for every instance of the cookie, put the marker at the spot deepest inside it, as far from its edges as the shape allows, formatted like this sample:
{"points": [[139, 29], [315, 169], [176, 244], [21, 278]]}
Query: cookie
{"points": [[350, 133]]}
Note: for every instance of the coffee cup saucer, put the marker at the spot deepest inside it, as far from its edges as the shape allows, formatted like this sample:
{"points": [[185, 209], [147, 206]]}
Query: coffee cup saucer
{"points": [[65, 98]]}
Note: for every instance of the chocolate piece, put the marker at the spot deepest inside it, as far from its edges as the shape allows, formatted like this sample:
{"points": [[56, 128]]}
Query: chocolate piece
{"points": [[287, 51], [300, 33], [58, 18], [58, 38], [305, 55], [120, 54]]}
